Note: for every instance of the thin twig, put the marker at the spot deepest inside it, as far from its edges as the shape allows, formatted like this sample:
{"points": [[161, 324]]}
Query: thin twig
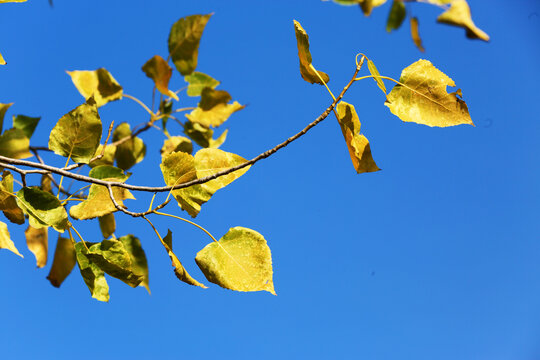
{"points": [[5, 161]]}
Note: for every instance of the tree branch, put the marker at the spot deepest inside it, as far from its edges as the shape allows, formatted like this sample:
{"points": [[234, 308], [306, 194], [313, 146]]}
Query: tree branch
{"points": [[44, 169]]}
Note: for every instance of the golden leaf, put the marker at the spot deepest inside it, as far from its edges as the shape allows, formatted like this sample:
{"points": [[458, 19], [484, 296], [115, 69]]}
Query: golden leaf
{"points": [[459, 14], [422, 98], [306, 68], [37, 242]]}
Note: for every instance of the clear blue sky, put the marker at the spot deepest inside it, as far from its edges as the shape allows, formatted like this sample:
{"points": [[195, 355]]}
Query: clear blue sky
{"points": [[437, 256]]}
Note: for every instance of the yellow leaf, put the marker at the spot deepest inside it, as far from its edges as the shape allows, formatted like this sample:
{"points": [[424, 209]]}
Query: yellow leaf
{"points": [[184, 41], [2, 61], [77, 133], [3, 109], [15, 144], [97, 83], [415, 34], [176, 143], [306, 68], [37, 242], [107, 224], [241, 260], [158, 70], [358, 144], [99, 202], [180, 167], [63, 262], [422, 98], [459, 14], [108, 155], [213, 109], [5, 240], [8, 203], [179, 270]]}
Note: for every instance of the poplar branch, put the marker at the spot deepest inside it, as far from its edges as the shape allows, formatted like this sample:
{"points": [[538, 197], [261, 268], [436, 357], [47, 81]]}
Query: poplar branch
{"points": [[10, 163]]}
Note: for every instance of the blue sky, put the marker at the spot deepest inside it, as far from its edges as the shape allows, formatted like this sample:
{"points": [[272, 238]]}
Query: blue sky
{"points": [[437, 256]]}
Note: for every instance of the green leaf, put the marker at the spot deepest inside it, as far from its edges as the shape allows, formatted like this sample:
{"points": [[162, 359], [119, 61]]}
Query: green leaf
{"points": [[184, 41], [63, 263], [26, 123], [459, 14], [93, 276], [176, 143], [107, 224], [198, 81], [306, 68], [8, 202], [130, 152], [99, 202], [5, 240], [422, 97], [38, 243], [203, 135], [396, 15], [15, 144], [165, 108], [358, 144], [108, 156], [43, 208], [77, 133], [180, 167], [139, 264], [415, 35], [3, 107], [112, 257], [240, 260], [374, 72], [98, 84], [179, 270], [213, 109], [158, 70]]}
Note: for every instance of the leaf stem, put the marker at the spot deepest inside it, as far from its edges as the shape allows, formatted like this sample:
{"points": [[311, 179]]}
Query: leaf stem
{"points": [[152, 115], [188, 221]]}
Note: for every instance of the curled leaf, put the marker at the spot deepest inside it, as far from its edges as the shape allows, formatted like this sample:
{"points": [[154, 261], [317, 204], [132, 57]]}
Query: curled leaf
{"points": [[43, 208], [184, 41], [5, 240], [8, 203], [358, 144], [415, 34], [37, 242], [158, 70], [92, 275], [98, 84], [77, 133], [422, 98], [306, 68], [179, 270], [63, 262], [241, 260], [376, 76], [112, 257], [459, 14], [139, 264]]}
